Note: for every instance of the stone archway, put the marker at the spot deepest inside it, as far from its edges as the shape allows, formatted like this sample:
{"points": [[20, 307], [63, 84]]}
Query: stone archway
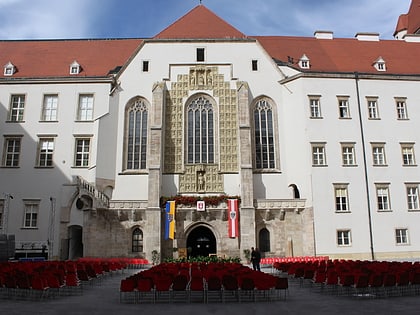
{"points": [[201, 242]]}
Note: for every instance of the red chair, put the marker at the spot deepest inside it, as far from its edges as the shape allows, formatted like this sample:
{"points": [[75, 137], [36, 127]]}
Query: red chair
{"points": [[179, 289], [246, 289], [196, 289], [214, 289], [127, 291], [145, 290], [281, 286], [230, 288], [39, 287], [163, 284]]}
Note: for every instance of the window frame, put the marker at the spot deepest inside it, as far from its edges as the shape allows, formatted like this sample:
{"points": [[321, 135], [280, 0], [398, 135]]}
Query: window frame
{"points": [[315, 107], [137, 239], [402, 237], [373, 108], [408, 158], [81, 155], [45, 155], [401, 108], [200, 113], [341, 201], [49, 110], [136, 135], [318, 149], [85, 110], [265, 154], [15, 154], [254, 65], [145, 66], [344, 238], [343, 107], [412, 195], [383, 197], [30, 217], [17, 109], [348, 158], [378, 154], [200, 54]]}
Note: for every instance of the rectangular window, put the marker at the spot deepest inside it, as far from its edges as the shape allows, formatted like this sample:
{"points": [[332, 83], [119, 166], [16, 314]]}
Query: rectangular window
{"points": [[413, 196], [17, 108], [347, 150], [254, 65], [315, 107], [318, 154], [85, 107], [382, 197], [341, 198], [49, 109], [82, 153], [373, 112], [401, 108], [45, 152], [31, 214], [343, 237], [343, 107], [145, 67], [408, 154], [378, 152], [401, 236], [200, 54], [11, 152]]}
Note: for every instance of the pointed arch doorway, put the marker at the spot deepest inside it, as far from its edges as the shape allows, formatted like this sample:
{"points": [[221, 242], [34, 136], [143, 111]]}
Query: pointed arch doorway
{"points": [[201, 242]]}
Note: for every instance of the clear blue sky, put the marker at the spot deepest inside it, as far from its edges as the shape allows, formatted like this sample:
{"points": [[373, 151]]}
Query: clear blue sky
{"points": [[51, 19]]}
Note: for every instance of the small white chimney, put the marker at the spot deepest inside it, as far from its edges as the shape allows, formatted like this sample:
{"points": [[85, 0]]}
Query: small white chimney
{"points": [[370, 37], [324, 35]]}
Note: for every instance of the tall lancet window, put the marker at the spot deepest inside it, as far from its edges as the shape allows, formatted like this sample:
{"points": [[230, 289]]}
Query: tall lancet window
{"points": [[264, 135], [200, 131], [136, 135]]}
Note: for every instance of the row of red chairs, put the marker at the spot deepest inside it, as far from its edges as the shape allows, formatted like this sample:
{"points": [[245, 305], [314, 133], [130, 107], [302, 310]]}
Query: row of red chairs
{"points": [[45, 279], [201, 282], [272, 260], [369, 278]]}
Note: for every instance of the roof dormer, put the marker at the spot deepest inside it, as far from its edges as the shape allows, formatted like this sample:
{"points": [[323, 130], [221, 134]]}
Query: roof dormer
{"points": [[9, 69], [304, 62], [75, 68], [380, 64]]}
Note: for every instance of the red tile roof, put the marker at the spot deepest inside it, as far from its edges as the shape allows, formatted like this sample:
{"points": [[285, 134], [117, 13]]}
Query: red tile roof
{"points": [[345, 55], [52, 58], [411, 20], [200, 23]]}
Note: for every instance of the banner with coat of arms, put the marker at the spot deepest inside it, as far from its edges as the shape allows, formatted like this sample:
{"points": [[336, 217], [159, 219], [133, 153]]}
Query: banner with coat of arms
{"points": [[233, 218], [170, 220]]}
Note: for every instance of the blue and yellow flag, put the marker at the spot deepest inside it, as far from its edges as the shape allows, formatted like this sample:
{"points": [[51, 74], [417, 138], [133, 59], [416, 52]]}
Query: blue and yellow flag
{"points": [[170, 220]]}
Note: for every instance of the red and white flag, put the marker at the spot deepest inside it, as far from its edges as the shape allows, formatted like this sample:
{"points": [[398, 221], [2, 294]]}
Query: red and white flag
{"points": [[233, 215]]}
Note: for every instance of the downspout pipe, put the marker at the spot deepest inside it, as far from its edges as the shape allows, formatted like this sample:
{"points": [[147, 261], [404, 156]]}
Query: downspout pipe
{"points": [[362, 135]]}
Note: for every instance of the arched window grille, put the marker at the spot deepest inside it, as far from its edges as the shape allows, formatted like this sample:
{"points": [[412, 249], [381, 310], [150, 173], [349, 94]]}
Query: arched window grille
{"points": [[264, 238], [200, 131], [264, 135], [136, 135], [137, 241]]}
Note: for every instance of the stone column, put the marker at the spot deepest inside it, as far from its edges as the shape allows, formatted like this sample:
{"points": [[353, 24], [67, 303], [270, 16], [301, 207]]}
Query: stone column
{"points": [[152, 240], [247, 210]]}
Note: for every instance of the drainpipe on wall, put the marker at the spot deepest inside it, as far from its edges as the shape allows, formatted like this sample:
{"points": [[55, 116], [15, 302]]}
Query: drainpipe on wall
{"points": [[362, 134]]}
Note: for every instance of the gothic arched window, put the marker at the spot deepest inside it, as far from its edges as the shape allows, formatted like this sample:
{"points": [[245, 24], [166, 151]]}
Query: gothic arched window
{"points": [[137, 241], [200, 131], [264, 237], [136, 135], [264, 135]]}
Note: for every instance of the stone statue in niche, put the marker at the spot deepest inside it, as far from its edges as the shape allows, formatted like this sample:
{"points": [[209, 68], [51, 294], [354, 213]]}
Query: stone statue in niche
{"points": [[201, 78], [201, 183]]}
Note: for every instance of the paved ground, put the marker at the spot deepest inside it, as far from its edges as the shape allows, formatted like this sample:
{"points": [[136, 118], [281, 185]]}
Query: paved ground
{"points": [[104, 299]]}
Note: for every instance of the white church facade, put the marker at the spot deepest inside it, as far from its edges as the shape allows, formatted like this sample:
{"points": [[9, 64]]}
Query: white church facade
{"points": [[315, 137]]}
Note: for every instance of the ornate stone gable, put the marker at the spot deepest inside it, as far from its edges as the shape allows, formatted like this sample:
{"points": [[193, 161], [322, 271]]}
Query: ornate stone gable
{"points": [[201, 78]]}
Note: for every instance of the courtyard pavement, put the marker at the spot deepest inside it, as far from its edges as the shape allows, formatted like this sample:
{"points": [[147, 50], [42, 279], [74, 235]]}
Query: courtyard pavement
{"points": [[104, 299]]}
